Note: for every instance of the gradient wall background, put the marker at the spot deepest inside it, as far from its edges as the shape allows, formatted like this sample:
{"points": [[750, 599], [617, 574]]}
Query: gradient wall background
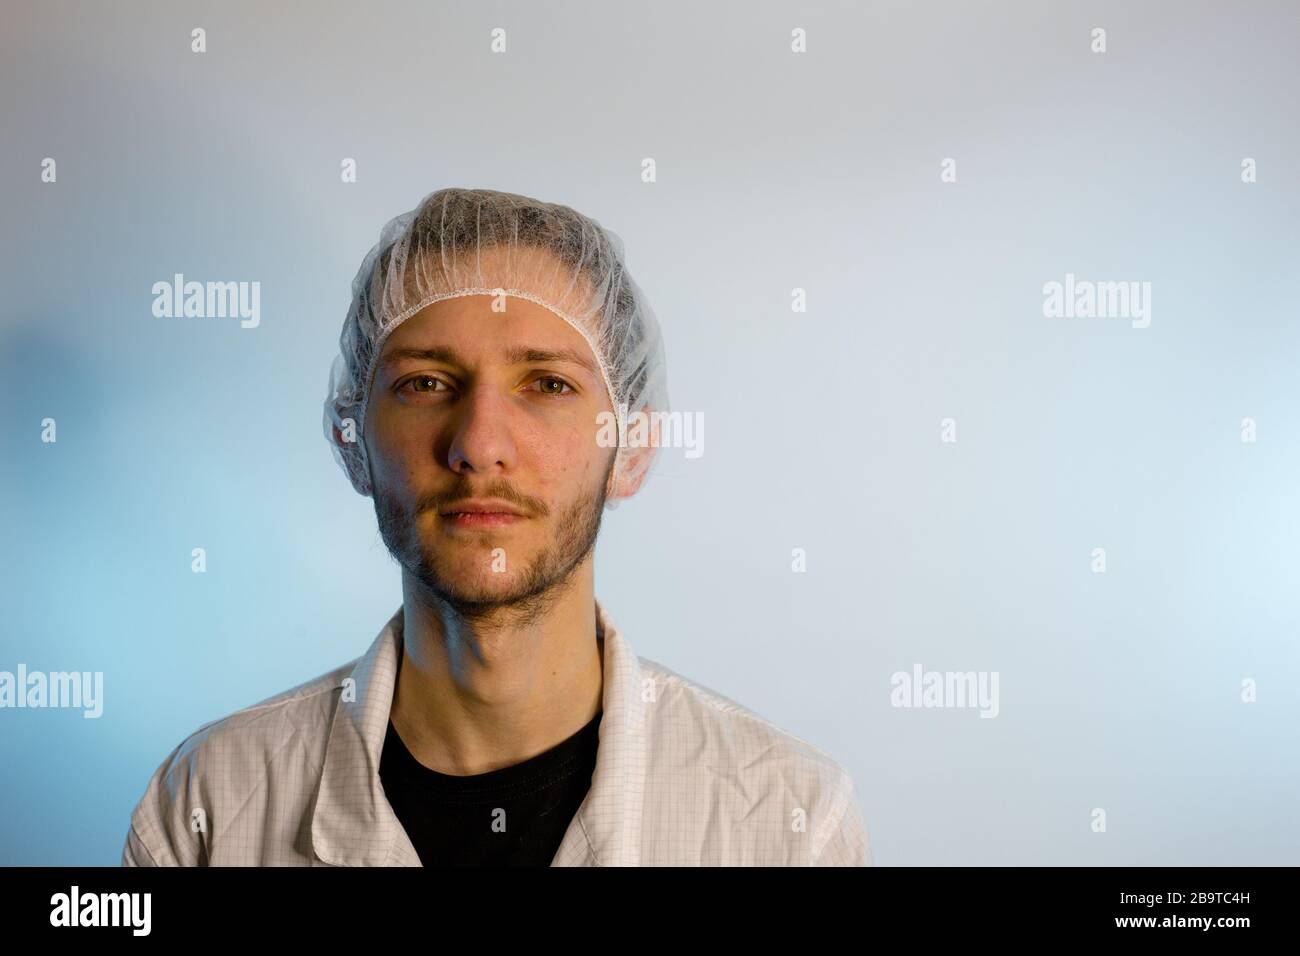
{"points": [[822, 429]]}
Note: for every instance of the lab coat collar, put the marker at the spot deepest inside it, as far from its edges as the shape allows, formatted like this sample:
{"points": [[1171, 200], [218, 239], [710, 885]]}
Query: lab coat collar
{"points": [[353, 823]]}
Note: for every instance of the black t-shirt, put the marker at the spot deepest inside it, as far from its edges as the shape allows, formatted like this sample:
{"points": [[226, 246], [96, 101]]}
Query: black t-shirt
{"points": [[458, 821]]}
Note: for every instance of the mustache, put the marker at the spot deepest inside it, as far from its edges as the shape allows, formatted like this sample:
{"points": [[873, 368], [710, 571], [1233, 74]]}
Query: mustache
{"points": [[436, 500]]}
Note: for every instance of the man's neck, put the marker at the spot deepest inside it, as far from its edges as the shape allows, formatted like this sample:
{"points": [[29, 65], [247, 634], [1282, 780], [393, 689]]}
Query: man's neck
{"points": [[474, 696]]}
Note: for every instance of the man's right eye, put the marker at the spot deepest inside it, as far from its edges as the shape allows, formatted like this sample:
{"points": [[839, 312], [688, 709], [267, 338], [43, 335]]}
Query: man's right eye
{"points": [[421, 383]]}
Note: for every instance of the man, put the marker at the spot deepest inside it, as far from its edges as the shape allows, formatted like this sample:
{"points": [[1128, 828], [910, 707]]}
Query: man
{"points": [[500, 717]]}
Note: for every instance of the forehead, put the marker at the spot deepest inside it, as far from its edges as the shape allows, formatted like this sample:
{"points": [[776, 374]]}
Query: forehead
{"points": [[466, 332], [464, 329], [470, 325]]}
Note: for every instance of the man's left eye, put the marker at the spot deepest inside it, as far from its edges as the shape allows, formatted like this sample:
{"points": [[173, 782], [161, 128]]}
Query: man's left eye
{"points": [[548, 383]]}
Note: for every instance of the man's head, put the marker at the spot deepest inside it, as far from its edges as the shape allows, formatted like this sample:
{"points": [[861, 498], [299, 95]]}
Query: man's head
{"points": [[488, 334], [472, 409]]}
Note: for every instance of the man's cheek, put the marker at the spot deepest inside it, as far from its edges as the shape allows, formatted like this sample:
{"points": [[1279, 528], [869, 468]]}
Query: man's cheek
{"points": [[550, 453], [562, 470], [394, 455]]}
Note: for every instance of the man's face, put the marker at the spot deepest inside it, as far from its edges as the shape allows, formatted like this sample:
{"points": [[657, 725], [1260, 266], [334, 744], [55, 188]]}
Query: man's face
{"points": [[460, 409]]}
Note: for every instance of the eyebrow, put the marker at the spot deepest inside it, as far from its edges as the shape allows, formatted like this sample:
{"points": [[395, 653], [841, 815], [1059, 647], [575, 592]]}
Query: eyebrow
{"points": [[517, 355]]}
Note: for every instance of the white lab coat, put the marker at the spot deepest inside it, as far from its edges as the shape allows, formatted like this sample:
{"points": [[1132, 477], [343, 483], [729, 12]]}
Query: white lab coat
{"points": [[684, 776]]}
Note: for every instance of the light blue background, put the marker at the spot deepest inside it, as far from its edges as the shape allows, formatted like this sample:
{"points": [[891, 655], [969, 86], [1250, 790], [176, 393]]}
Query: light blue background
{"points": [[775, 171]]}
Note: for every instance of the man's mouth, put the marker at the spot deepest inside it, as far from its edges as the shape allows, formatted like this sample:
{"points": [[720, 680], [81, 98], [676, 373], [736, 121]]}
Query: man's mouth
{"points": [[481, 514], [482, 519]]}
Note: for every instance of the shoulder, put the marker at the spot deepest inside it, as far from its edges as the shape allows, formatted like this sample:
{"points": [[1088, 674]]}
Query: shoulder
{"points": [[737, 764], [255, 735], [217, 770], [720, 727]]}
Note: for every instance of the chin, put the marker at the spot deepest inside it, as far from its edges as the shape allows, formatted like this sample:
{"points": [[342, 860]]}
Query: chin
{"points": [[484, 585]]}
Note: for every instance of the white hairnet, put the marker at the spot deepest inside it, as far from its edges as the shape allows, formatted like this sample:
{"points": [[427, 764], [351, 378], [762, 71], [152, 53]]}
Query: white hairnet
{"points": [[460, 242]]}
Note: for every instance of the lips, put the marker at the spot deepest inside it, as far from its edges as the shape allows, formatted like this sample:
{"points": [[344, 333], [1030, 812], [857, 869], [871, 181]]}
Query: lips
{"points": [[484, 506], [481, 513], [482, 519]]}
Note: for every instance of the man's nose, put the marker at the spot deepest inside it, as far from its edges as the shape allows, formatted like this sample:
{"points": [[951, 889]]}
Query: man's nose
{"points": [[482, 440]]}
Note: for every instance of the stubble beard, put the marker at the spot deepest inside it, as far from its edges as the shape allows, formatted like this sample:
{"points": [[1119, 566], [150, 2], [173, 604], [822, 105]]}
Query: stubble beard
{"points": [[546, 578]]}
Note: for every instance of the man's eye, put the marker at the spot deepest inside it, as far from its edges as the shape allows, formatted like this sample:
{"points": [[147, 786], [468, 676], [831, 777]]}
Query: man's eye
{"points": [[422, 383], [549, 385]]}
